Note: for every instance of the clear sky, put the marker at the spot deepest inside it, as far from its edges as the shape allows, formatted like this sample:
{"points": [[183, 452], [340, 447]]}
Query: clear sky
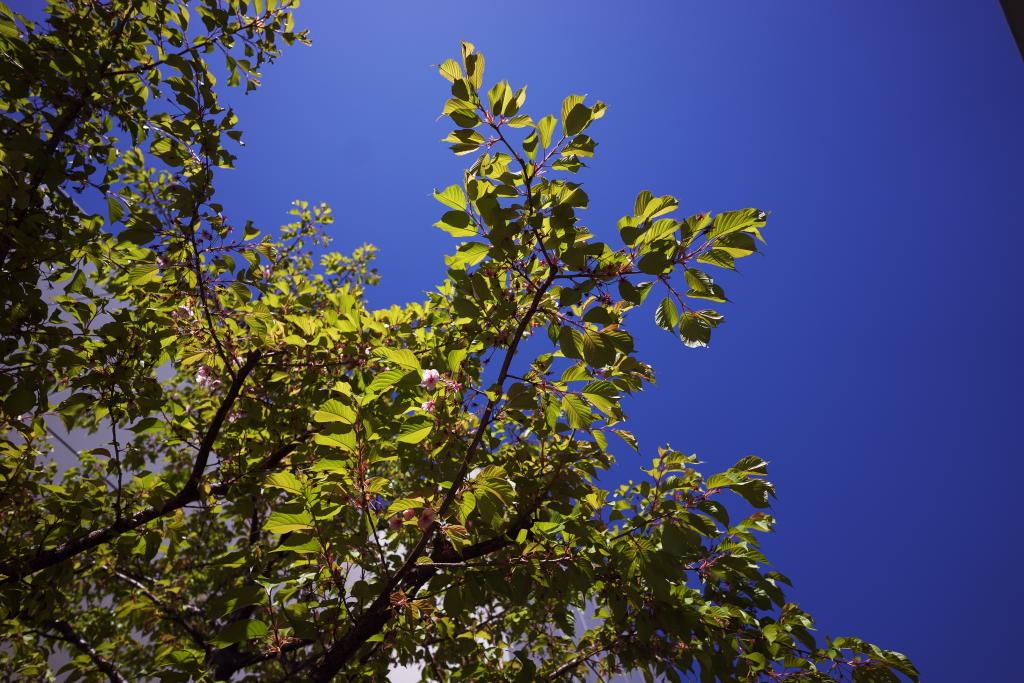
{"points": [[870, 354]]}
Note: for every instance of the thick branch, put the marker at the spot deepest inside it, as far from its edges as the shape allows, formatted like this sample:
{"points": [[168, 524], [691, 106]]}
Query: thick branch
{"points": [[28, 564]]}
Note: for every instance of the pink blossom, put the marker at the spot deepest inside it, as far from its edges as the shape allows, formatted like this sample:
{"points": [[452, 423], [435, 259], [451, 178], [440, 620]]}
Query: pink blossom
{"points": [[430, 379], [395, 523], [426, 519], [428, 405], [206, 380]]}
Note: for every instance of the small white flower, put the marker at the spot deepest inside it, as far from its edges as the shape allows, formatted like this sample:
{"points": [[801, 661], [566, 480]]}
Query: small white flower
{"points": [[430, 379], [428, 405]]}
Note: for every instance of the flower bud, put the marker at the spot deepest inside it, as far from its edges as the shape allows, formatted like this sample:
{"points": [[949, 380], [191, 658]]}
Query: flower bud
{"points": [[426, 519]]}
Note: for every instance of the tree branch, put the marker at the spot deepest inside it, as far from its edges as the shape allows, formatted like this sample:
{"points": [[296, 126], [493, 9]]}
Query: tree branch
{"points": [[197, 636], [70, 636], [573, 663], [28, 564]]}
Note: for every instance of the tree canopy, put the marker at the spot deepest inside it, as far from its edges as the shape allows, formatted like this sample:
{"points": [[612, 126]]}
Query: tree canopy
{"points": [[290, 485]]}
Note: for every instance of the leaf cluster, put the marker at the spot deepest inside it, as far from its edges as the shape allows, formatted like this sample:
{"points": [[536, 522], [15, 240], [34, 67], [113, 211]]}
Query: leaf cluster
{"points": [[289, 484]]}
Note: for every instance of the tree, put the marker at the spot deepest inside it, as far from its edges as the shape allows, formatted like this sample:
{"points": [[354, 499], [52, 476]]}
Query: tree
{"points": [[294, 486]]}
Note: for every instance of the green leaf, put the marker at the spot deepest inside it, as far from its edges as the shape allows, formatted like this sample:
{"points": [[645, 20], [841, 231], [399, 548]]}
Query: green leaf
{"points": [[702, 286], [667, 315], [143, 273], [474, 63], [494, 478], [466, 140], [468, 254], [285, 480], [115, 209], [453, 197], [544, 128], [577, 119], [735, 221], [662, 229], [148, 425], [402, 504], [520, 121], [696, 223], [597, 350], [415, 429], [656, 263], [647, 206], [281, 522], [455, 358], [299, 543], [467, 503], [599, 396], [737, 244], [628, 437], [718, 257], [450, 70], [401, 357], [383, 381], [333, 464], [240, 631], [694, 330], [570, 342], [457, 224], [567, 105], [512, 105], [577, 411], [530, 145], [751, 464], [642, 200], [497, 97], [19, 401], [568, 163], [620, 340], [335, 411], [580, 146], [344, 441], [683, 543], [236, 598], [465, 118]]}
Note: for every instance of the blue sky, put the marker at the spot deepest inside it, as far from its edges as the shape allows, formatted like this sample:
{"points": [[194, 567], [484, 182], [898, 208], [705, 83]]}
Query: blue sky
{"points": [[869, 354]]}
